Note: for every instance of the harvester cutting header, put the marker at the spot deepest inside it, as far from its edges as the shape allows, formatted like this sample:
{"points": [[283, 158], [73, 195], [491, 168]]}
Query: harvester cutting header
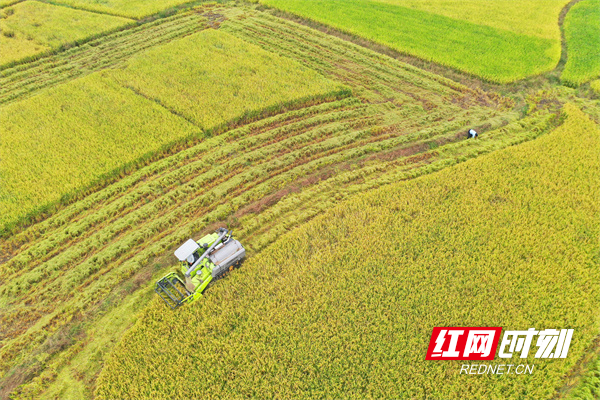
{"points": [[220, 254]]}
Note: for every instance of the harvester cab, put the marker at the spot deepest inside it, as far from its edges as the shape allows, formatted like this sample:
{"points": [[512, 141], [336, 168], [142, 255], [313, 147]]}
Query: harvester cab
{"points": [[200, 263]]}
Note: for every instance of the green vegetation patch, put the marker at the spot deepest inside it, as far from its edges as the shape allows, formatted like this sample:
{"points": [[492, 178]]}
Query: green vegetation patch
{"points": [[588, 387], [125, 8], [343, 307], [494, 54], [71, 135], [582, 33], [31, 27], [212, 78]]}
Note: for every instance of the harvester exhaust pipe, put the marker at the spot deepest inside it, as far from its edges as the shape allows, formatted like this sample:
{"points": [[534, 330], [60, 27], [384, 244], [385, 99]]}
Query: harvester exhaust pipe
{"points": [[222, 233]]}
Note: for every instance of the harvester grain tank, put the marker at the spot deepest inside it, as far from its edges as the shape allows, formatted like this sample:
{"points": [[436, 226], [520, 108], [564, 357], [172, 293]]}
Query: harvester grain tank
{"points": [[221, 253]]}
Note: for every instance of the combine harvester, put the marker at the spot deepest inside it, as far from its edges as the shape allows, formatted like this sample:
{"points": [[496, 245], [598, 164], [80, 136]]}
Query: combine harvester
{"points": [[221, 254]]}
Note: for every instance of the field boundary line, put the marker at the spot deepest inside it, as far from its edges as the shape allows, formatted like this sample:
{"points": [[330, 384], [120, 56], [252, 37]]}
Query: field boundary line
{"points": [[253, 115], [58, 60], [160, 14], [46, 210], [77, 43], [135, 22], [527, 84]]}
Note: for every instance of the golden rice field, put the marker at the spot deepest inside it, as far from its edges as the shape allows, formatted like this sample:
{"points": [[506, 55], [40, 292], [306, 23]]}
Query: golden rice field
{"points": [[212, 78], [343, 306], [68, 138], [595, 85], [367, 215], [32, 27]]}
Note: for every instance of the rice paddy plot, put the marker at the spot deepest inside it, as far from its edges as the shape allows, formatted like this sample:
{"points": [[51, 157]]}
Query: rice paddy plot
{"points": [[32, 27], [212, 78], [526, 17], [70, 136], [106, 51]]}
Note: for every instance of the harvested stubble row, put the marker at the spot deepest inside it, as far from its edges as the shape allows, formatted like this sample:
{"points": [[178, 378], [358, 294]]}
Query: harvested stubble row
{"points": [[400, 123]]}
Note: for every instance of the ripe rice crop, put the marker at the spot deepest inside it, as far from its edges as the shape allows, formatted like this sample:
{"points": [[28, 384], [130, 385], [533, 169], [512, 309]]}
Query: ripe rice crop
{"points": [[24, 80], [526, 17], [497, 55], [595, 85], [14, 45], [56, 142], [125, 8], [343, 306], [582, 34], [211, 78], [31, 27], [73, 283], [68, 147]]}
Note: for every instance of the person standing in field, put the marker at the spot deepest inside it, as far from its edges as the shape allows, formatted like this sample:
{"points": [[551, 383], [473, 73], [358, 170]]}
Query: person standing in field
{"points": [[472, 134]]}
